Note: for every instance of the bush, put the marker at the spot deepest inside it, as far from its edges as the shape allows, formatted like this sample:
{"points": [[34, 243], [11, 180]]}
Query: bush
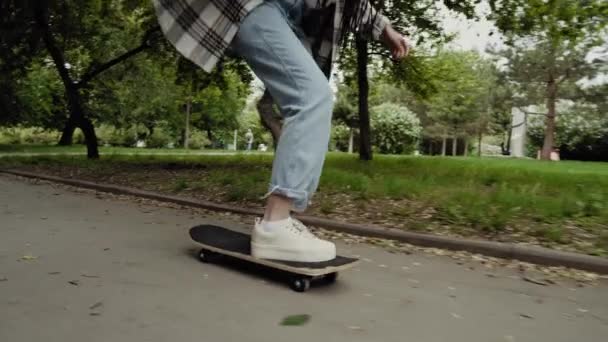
{"points": [[396, 130], [198, 140], [340, 134], [107, 134], [28, 135], [158, 139]]}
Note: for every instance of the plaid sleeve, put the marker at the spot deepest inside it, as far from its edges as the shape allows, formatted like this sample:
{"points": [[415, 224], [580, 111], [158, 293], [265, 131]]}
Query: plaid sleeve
{"points": [[367, 13]]}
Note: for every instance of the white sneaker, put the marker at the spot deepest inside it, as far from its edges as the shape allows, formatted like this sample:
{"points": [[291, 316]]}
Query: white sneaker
{"points": [[291, 242]]}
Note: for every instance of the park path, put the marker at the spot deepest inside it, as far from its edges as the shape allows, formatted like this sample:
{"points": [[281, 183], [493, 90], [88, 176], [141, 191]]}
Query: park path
{"points": [[76, 266]]}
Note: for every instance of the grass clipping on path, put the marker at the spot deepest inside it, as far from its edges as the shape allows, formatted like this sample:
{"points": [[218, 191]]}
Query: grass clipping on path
{"points": [[295, 320], [561, 205]]}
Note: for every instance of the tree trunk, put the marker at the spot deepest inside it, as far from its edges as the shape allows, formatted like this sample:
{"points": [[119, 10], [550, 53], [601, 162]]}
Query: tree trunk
{"points": [[479, 138], [430, 147], [351, 139], [365, 145], [187, 130], [443, 145], [67, 135], [77, 117], [89, 137], [549, 142], [466, 147], [509, 136], [268, 118], [454, 146]]}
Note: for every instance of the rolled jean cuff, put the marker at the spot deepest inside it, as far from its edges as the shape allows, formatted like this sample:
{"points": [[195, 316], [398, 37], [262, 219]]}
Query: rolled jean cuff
{"points": [[300, 198]]}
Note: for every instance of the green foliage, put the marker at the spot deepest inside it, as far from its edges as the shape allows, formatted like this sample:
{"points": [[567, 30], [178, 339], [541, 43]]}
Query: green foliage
{"points": [[548, 48], [340, 135], [462, 102], [28, 135], [218, 105], [581, 133], [198, 140], [40, 93], [396, 130]]}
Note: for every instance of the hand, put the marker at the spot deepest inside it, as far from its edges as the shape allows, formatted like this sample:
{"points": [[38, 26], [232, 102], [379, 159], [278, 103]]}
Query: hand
{"points": [[396, 42]]}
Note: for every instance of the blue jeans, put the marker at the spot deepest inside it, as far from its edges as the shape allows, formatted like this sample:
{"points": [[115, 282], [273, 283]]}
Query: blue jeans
{"points": [[269, 39]]}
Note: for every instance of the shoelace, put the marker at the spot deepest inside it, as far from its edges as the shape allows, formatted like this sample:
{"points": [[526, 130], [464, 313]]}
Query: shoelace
{"points": [[301, 228]]}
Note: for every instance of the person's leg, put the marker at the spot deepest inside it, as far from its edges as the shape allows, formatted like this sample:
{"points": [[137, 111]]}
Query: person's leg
{"points": [[302, 92], [267, 42]]}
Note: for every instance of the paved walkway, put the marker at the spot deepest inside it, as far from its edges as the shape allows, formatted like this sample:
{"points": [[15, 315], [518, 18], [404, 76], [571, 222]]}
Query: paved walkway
{"points": [[79, 267]]}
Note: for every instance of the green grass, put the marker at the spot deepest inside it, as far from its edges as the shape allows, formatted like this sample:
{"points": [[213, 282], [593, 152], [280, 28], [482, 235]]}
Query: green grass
{"points": [[488, 195]]}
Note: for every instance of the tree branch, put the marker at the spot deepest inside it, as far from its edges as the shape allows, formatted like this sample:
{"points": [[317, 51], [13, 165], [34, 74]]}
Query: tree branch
{"points": [[145, 43], [42, 24]]}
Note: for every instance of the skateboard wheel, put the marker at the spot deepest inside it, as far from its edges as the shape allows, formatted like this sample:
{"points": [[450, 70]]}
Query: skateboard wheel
{"points": [[205, 256], [331, 278], [300, 284]]}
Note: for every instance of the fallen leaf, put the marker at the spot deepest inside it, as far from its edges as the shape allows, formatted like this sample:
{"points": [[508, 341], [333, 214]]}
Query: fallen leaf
{"points": [[95, 314], [4, 279], [74, 282], [582, 310], [28, 257], [295, 320], [416, 264], [355, 327], [54, 273], [96, 305], [451, 288], [106, 249], [89, 276], [525, 316], [535, 281], [382, 266], [455, 315]]}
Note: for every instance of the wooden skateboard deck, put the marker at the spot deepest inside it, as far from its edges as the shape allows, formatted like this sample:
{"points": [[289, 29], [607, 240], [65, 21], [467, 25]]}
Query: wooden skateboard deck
{"points": [[219, 241]]}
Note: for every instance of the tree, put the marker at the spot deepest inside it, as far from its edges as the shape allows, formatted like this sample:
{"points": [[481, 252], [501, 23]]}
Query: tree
{"points": [[549, 42], [461, 105], [581, 132], [19, 44], [72, 35], [414, 17]]}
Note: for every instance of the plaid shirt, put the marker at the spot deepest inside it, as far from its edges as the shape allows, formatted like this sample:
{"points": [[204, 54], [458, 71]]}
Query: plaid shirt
{"points": [[202, 30]]}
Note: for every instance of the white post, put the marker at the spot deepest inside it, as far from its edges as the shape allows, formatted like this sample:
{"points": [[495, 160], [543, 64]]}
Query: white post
{"points": [[235, 133]]}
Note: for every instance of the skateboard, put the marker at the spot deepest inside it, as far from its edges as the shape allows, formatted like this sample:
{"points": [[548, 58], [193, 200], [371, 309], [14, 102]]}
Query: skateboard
{"points": [[220, 242]]}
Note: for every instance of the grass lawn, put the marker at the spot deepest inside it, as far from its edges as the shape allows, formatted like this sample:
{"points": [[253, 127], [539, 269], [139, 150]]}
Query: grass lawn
{"points": [[561, 205]]}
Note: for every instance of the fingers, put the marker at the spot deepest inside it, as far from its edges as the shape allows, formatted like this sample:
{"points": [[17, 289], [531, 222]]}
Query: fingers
{"points": [[406, 46], [399, 52]]}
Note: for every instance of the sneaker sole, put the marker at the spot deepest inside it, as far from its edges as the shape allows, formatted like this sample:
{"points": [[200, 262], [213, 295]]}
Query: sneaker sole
{"points": [[262, 251]]}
